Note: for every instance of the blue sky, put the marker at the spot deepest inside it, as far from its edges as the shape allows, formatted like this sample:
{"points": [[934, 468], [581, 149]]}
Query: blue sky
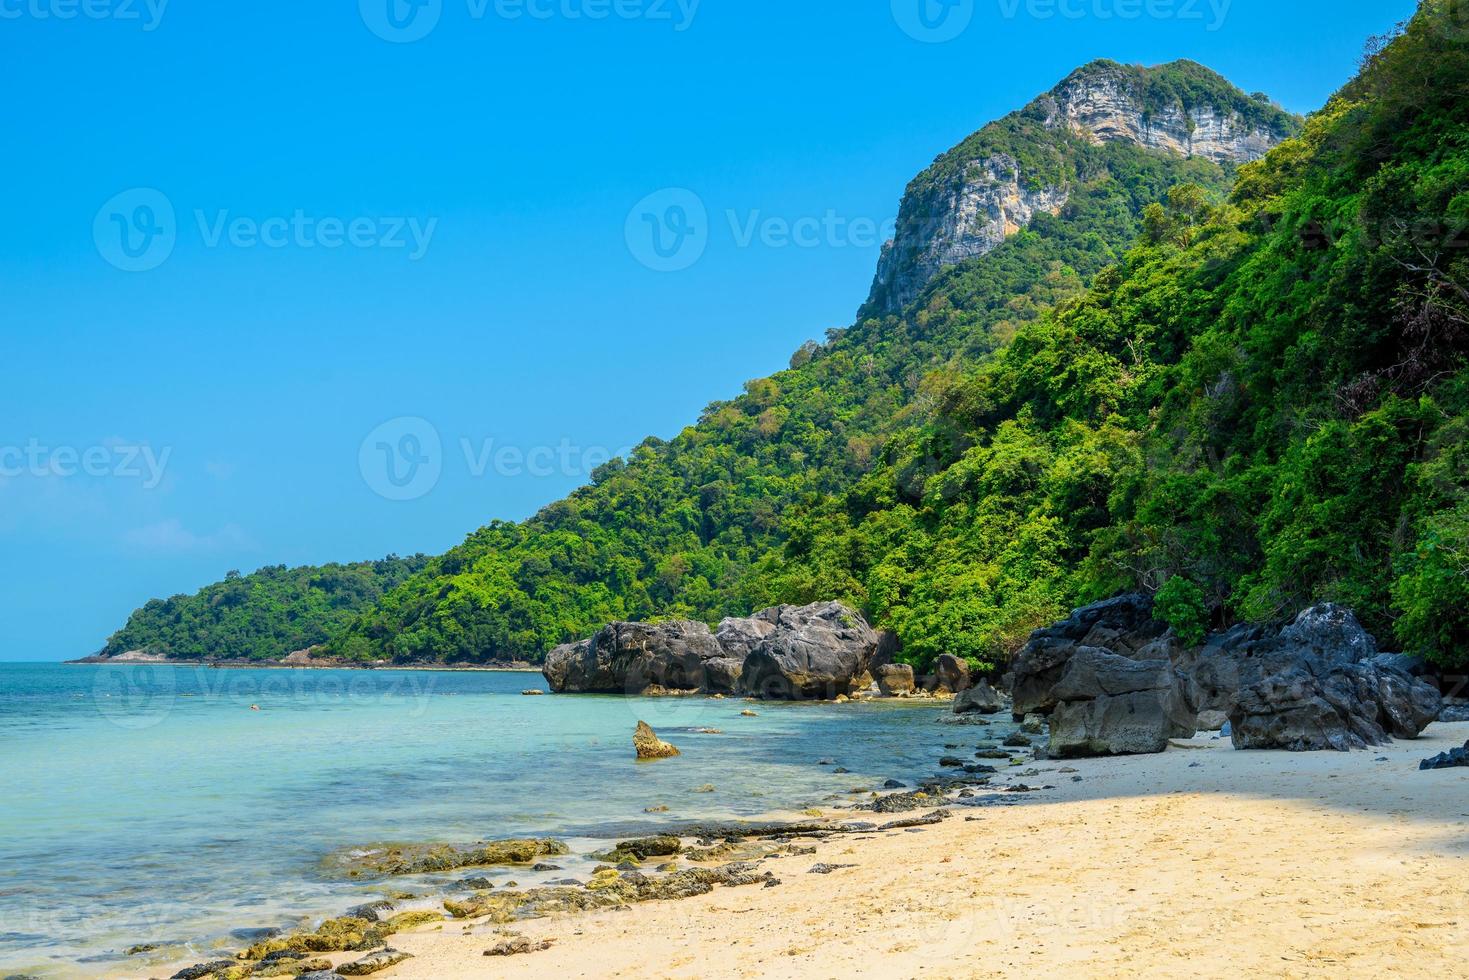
{"points": [[378, 243]]}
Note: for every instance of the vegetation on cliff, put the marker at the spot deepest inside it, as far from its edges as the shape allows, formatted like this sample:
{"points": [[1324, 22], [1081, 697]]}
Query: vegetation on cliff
{"points": [[1263, 403]]}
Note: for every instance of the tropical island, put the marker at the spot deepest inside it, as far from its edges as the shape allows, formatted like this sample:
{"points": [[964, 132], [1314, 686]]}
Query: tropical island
{"points": [[1149, 441]]}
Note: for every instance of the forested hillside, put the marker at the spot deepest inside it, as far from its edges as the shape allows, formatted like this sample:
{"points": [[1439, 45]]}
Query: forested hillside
{"points": [[1264, 405], [1244, 399], [267, 615]]}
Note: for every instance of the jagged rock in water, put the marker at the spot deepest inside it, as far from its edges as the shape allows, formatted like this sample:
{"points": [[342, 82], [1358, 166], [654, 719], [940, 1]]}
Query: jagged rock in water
{"points": [[813, 652], [408, 859], [895, 679], [649, 745], [979, 699], [631, 658]]}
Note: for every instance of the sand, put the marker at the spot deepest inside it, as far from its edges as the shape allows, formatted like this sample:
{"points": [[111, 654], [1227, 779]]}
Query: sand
{"points": [[1200, 862]]}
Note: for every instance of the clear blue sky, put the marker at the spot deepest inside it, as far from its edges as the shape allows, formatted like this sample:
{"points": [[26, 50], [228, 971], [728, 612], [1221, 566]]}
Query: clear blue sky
{"points": [[518, 147]]}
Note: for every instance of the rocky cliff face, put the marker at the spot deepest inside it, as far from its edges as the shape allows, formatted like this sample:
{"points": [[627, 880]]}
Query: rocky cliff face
{"points": [[979, 194], [1102, 104], [968, 218]]}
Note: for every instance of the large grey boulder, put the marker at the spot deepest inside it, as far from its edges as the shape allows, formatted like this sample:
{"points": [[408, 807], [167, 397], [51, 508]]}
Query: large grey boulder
{"points": [[739, 637], [951, 673], [1108, 704], [811, 652], [1314, 704], [894, 679], [1315, 683], [1124, 625], [630, 658], [722, 675], [979, 699], [1105, 678]]}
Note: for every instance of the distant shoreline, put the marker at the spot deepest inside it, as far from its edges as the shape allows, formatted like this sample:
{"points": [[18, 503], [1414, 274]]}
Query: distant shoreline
{"points": [[277, 665]]}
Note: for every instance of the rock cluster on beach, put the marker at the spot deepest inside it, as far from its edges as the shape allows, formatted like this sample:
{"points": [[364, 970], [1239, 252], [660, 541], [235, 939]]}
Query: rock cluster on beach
{"points": [[825, 650], [1114, 680]]}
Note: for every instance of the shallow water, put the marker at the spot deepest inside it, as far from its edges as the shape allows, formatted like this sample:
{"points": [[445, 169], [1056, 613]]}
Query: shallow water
{"points": [[150, 804]]}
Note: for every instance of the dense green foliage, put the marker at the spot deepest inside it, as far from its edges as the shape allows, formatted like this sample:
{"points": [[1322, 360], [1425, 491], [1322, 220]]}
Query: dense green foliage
{"points": [[680, 528], [1262, 403], [266, 615], [1265, 403]]}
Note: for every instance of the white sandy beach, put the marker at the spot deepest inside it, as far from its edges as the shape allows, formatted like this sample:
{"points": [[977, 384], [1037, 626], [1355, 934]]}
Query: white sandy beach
{"points": [[1199, 862]]}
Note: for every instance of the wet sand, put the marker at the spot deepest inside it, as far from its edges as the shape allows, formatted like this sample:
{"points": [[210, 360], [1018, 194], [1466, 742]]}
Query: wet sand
{"points": [[1202, 861]]}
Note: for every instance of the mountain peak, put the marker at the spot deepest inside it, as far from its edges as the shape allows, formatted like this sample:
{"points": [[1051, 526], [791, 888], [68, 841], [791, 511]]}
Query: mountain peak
{"points": [[998, 180]]}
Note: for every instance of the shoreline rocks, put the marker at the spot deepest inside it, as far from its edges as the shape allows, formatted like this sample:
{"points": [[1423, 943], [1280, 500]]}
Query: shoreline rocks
{"points": [[1104, 681], [821, 651], [1113, 680], [811, 652], [979, 699]]}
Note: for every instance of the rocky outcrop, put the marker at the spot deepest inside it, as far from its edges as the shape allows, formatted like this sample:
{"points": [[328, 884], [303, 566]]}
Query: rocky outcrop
{"points": [[1111, 705], [1114, 680], [895, 680], [650, 746], [813, 652], [1103, 677], [1102, 102], [722, 675], [630, 658], [1001, 179], [1123, 626], [964, 218], [372, 963], [1313, 704], [951, 674], [739, 637], [1452, 759], [979, 699]]}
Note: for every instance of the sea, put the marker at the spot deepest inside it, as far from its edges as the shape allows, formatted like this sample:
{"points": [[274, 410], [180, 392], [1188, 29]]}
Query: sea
{"points": [[191, 809]]}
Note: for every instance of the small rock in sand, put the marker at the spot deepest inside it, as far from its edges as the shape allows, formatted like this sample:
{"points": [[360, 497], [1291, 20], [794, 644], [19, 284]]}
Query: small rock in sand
{"points": [[518, 946]]}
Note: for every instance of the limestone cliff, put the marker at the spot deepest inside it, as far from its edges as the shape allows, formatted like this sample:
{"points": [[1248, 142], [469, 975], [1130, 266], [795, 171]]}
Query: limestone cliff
{"points": [[997, 181]]}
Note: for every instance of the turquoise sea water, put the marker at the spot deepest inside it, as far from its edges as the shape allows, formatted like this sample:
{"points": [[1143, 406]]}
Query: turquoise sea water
{"points": [[150, 804]]}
